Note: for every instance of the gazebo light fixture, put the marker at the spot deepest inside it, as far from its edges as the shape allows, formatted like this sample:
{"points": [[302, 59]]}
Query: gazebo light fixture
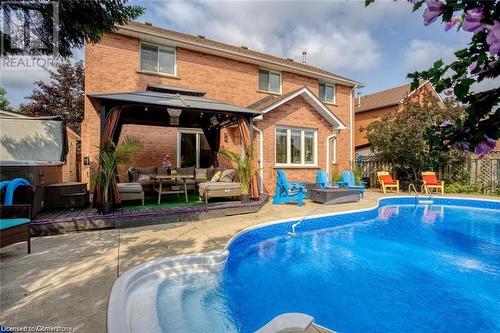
{"points": [[214, 121], [174, 116]]}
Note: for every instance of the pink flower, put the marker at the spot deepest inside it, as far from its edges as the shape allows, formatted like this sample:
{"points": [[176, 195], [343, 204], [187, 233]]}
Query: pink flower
{"points": [[450, 24], [473, 66], [167, 161], [472, 20], [485, 147], [433, 10], [493, 38]]}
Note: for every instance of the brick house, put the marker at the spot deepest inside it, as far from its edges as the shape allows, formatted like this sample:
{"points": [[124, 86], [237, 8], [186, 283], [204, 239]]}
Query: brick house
{"points": [[308, 113], [370, 108]]}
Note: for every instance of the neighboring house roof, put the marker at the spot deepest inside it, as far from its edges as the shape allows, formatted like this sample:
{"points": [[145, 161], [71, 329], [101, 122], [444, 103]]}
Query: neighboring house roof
{"points": [[140, 30], [389, 97], [271, 102]]}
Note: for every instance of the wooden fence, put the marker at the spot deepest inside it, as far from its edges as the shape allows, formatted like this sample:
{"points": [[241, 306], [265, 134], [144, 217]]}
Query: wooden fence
{"points": [[484, 171]]}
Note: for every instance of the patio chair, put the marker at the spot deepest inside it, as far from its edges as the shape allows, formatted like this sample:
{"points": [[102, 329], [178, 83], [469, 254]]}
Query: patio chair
{"points": [[288, 191], [323, 181], [386, 181], [431, 182], [15, 225], [347, 181]]}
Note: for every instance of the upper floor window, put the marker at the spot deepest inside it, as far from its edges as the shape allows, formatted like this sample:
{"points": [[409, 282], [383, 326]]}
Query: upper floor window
{"points": [[269, 81], [158, 59], [327, 92]]}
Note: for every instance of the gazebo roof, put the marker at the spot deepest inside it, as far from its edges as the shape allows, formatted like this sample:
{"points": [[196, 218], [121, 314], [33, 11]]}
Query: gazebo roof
{"points": [[174, 97]]}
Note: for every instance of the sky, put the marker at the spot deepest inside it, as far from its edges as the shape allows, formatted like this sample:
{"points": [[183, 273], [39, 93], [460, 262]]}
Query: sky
{"points": [[377, 45]]}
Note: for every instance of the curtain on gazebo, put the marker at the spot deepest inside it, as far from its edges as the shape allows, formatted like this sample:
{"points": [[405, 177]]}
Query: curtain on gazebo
{"points": [[108, 134], [247, 141]]}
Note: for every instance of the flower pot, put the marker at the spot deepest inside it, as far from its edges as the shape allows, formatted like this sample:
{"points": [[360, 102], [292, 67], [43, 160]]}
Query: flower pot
{"points": [[245, 198], [106, 207]]}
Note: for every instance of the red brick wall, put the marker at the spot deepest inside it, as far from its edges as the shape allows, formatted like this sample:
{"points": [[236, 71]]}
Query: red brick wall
{"points": [[297, 112], [112, 66]]}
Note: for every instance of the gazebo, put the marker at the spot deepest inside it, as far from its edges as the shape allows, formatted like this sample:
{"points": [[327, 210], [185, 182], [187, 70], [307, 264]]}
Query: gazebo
{"points": [[161, 105]]}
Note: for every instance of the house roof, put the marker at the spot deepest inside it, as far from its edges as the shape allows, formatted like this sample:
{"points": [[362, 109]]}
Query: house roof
{"points": [[181, 99], [383, 98], [269, 103], [137, 29], [389, 97]]}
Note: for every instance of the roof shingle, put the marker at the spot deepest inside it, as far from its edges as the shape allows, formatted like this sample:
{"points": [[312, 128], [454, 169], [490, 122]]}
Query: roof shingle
{"points": [[240, 50], [383, 98]]}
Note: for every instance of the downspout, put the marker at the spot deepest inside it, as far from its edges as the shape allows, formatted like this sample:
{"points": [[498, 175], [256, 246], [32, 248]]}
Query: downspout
{"points": [[261, 158], [351, 126], [328, 138]]}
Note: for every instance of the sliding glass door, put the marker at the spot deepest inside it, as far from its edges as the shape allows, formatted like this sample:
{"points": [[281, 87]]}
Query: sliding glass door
{"points": [[193, 149]]}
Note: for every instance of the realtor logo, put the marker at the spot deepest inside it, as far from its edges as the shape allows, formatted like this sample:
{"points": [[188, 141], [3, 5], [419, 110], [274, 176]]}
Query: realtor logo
{"points": [[29, 33]]}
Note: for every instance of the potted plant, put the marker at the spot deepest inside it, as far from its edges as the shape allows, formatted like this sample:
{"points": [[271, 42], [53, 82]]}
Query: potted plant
{"points": [[110, 158], [167, 163], [245, 169]]}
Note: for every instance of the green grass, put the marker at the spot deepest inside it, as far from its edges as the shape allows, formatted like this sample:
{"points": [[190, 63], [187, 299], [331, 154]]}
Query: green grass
{"points": [[167, 200]]}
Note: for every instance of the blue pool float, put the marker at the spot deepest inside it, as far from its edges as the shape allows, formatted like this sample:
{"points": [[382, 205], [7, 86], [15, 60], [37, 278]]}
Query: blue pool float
{"points": [[11, 187]]}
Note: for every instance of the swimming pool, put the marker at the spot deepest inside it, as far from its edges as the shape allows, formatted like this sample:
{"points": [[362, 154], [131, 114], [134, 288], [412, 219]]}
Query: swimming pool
{"points": [[398, 267]]}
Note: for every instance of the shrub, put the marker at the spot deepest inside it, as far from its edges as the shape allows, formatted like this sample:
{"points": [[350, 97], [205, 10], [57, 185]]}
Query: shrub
{"points": [[464, 188]]}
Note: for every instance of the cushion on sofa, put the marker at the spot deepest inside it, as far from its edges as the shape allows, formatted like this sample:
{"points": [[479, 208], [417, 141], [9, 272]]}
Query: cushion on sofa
{"points": [[200, 174], [129, 187], [216, 176], [227, 176], [218, 185], [146, 171]]}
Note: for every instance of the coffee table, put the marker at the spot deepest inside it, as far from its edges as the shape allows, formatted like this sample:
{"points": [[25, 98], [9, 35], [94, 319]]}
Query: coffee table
{"points": [[333, 195], [167, 189]]}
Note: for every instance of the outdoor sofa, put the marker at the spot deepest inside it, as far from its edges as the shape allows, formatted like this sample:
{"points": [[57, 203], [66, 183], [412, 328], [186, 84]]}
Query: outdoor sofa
{"points": [[203, 183], [15, 225]]}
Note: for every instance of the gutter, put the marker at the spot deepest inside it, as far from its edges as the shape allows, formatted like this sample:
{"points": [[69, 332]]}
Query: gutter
{"points": [[261, 158], [328, 153], [351, 126], [236, 54]]}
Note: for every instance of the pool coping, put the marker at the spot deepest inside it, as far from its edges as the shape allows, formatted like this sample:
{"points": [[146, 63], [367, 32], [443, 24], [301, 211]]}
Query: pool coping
{"points": [[118, 319]]}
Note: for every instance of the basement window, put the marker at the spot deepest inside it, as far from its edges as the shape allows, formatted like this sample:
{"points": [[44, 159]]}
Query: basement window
{"points": [[158, 59]]}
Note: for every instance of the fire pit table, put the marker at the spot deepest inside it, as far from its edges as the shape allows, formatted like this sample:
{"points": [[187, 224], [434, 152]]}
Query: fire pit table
{"points": [[333, 196]]}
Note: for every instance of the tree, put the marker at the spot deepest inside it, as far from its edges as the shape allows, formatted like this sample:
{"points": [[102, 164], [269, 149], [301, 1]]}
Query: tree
{"points": [[79, 21], [401, 140], [62, 96], [479, 128], [4, 102]]}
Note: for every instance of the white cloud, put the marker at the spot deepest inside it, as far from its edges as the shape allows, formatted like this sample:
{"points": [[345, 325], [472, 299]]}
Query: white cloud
{"points": [[420, 54], [330, 31]]}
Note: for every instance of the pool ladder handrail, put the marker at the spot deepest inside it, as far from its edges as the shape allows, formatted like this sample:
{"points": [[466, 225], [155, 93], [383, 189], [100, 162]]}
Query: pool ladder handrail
{"points": [[417, 197]]}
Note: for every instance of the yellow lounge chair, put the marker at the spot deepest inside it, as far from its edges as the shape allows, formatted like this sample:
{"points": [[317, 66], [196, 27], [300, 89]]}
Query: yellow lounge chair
{"points": [[386, 181], [431, 182]]}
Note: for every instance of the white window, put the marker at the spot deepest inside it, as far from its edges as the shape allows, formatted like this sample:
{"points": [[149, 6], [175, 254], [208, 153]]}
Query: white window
{"points": [[269, 81], [327, 92], [158, 59], [296, 146]]}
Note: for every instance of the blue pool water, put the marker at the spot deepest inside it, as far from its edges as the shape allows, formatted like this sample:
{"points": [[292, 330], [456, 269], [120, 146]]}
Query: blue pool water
{"points": [[399, 268]]}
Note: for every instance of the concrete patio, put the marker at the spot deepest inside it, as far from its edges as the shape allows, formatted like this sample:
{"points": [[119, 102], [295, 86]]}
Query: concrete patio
{"points": [[67, 279]]}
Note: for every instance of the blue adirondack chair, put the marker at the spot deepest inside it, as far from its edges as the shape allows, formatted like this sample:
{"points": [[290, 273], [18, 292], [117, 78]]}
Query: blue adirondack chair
{"points": [[288, 191], [323, 181], [347, 181]]}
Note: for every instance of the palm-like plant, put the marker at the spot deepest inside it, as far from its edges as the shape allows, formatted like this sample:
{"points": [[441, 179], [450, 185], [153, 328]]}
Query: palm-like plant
{"points": [[110, 158], [244, 166]]}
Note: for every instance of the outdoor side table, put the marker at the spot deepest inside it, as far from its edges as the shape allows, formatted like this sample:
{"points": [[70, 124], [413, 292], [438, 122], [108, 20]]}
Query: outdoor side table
{"points": [[334, 195], [164, 189]]}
